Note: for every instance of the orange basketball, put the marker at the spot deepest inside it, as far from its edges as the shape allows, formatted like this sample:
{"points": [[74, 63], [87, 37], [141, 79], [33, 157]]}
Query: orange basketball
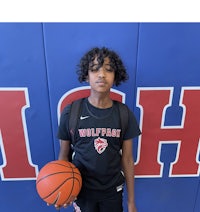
{"points": [[58, 182]]}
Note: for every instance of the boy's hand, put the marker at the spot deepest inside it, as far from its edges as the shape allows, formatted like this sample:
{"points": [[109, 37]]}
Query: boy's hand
{"points": [[70, 201]]}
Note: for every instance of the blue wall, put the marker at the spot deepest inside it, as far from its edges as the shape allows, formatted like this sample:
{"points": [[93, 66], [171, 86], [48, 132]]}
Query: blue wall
{"points": [[37, 69]]}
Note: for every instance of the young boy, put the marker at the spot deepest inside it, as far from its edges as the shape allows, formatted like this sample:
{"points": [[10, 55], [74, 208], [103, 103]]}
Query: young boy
{"points": [[104, 168]]}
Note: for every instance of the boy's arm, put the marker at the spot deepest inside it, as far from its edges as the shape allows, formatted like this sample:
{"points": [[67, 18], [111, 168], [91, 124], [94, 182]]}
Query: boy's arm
{"points": [[128, 169], [64, 150], [63, 155]]}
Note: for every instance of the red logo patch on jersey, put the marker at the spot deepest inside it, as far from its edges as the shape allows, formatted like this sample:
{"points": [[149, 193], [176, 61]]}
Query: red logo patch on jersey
{"points": [[100, 144]]}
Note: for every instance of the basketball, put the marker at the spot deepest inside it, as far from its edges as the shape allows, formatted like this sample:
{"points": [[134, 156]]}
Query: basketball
{"points": [[58, 182]]}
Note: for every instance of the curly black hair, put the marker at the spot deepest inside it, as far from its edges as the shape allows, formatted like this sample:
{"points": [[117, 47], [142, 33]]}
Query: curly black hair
{"points": [[101, 53]]}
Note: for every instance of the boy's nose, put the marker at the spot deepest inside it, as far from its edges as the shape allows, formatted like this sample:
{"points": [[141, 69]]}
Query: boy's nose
{"points": [[101, 72]]}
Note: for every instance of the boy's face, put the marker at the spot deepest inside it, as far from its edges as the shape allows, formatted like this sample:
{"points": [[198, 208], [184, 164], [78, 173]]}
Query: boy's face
{"points": [[101, 79]]}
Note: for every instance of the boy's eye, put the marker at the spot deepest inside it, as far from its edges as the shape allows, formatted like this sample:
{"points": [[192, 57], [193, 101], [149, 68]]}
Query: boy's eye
{"points": [[97, 69], [94, 69], [109, 70]]}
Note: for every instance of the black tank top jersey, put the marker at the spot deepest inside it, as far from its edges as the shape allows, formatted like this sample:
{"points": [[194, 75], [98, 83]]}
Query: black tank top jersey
{"points": [[97, 146]]}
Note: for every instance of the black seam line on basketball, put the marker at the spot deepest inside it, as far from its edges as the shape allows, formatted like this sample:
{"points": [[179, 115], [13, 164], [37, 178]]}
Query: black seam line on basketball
{"points": [[59, 187], [65, 172], [71, 188], [70, 166], [57, 198], [63, 165]]}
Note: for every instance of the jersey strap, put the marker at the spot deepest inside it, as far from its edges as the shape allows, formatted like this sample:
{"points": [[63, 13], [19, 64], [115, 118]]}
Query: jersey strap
{"points": [[123, 111], [74, 116]]}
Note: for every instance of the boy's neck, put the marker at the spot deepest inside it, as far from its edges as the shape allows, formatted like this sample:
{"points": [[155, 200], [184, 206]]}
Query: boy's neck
{"points": [[100, 102]]}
